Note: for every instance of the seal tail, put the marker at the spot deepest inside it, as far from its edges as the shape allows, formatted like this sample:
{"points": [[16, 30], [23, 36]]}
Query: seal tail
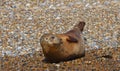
{"points": [[80, 26]]}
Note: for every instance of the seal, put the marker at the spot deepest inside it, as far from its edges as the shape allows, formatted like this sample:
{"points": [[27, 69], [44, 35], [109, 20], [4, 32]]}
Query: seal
{"points": [[65, 46]]}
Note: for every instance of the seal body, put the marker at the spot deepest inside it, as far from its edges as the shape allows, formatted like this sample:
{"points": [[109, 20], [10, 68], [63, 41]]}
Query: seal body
{"points": [[63, 47]]}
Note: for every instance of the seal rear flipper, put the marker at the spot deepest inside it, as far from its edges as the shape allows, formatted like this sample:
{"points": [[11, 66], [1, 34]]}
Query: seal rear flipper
{"points": [[72, 39], [80, 25]]}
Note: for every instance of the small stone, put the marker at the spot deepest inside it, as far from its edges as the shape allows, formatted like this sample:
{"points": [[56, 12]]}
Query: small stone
{"points": [[28, 5]]}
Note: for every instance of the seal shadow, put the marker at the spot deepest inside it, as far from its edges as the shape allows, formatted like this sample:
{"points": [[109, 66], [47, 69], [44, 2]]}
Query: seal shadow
{"points": [[70, 58]]}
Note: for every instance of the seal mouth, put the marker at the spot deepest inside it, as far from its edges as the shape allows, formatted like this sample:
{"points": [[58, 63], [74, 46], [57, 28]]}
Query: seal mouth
{"points": [[59, 42]]}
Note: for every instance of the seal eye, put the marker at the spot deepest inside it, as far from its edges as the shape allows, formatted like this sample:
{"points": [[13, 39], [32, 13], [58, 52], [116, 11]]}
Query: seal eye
{"points": [[46, 39]]}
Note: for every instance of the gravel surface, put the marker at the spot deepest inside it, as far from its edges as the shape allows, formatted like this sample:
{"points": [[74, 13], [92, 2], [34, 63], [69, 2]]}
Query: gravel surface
{"points": [[95, 60], [23, 22]]}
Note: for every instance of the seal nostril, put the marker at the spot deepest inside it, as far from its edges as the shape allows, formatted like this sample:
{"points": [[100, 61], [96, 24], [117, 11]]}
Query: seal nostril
{"points": [[52, 37]]}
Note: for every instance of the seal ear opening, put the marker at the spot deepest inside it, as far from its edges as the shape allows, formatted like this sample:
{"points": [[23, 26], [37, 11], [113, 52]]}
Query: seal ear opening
{"points": [[72, 39], [81, 25]]}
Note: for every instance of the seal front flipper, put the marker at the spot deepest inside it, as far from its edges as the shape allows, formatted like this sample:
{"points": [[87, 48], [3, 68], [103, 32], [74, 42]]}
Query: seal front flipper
{"points": [[72, 39]]}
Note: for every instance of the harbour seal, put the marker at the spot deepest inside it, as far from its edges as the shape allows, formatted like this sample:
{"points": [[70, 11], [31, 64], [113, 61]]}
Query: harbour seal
{"points": [[63, 47]]}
